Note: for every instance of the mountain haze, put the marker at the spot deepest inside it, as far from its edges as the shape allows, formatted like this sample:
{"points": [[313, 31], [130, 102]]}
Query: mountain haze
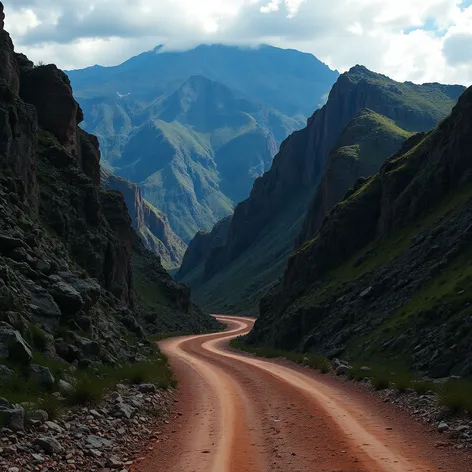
{"points": [[290, 81], [194, 129]]}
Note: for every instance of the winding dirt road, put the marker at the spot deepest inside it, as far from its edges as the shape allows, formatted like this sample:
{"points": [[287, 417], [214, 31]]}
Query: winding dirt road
{"points": [[237, 413]]}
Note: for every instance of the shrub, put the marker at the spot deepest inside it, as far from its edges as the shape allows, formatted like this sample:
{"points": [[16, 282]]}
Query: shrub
{"points": [[157, 373], [380, 381], [87, 391], [456, 395], [52, 406], [403, 381], [37, 337], [422, 386]]}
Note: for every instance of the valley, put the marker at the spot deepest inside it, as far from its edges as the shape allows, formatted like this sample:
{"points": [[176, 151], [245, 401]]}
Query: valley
{"points": [[325, 217]]}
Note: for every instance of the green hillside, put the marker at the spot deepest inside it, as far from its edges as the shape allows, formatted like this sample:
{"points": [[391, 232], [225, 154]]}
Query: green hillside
{"points": [[388, 275]]}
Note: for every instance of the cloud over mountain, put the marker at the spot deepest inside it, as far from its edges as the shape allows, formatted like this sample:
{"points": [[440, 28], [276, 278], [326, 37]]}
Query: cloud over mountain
{"points": [[418, 40]]}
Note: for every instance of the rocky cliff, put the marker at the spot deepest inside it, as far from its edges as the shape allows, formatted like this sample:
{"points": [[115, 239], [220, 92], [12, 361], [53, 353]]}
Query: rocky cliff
{"points": [[150, 223], [265, 226], [67, 249], [387, 275], [200, 248]]}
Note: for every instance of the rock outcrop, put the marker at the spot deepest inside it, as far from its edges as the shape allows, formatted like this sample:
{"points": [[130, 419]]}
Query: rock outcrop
{"points": [[150, 223], [264, 227], [387, 275]]}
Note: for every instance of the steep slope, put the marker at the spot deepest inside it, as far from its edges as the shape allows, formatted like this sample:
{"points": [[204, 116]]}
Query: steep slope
{"points": [[149, 223], [387, 276], [265, 226], [289, 81], [201, 246], [67, 284], [362, 148], [200, 152]]}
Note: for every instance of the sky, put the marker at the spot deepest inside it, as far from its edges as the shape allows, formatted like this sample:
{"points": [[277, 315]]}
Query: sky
{"points": [[417, 40]]}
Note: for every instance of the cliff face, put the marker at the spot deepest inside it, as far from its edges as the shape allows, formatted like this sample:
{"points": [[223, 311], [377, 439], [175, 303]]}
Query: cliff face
{"points": [[264, 227], [362, 148], [201, 246], [150, 224], [387, 275], [66, 246]]}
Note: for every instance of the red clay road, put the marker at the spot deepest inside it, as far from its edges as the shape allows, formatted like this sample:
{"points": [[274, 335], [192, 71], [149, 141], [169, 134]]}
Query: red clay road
{"points": [[237, 413]]}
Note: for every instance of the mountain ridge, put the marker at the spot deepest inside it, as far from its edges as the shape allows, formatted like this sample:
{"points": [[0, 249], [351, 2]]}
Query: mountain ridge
{"points": [[241, 68], [200, 152], [265, 226]]}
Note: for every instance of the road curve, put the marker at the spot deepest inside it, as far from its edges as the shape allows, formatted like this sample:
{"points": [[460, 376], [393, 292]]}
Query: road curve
{"points": [[238, 413]]}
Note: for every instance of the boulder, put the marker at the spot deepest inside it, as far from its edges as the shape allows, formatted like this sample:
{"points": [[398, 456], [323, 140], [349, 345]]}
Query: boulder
{"points": [[41, 375], [147, 388], [65, 387], [442, 427], [39, 415], [8, 243], [343, 369], [98, 442], [4, 403], [3, 351], [49, 444], [18, 349], [122, 410], [42, 303], [5, 373], [13, 417], [67, 297]]}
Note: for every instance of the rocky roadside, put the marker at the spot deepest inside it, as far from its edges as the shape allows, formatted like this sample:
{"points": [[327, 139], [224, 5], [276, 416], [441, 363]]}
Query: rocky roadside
{"points": [[111, 436], [456, 429]]}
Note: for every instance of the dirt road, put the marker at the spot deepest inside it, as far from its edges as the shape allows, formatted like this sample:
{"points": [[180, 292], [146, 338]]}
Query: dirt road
{"points": [[237, 413]]}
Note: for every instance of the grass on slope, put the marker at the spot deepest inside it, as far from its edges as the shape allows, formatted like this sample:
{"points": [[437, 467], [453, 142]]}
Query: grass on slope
{"points": [[380, 252], [370, 138], [90, 384]]}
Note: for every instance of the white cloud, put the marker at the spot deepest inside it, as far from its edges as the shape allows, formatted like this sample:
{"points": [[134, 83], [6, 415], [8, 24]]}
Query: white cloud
{"points": [[419, 40]]}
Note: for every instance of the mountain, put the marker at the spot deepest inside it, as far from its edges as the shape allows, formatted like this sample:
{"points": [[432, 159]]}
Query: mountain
{"points": [[264, 227], [388, 274], [76, 287], [195, 128], [149, 223], [287, 80], [200, 152]]}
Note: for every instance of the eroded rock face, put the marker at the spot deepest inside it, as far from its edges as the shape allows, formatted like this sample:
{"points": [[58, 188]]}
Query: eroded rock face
{"points": [[18, 126], [9, 73], [49, 90], [151, 224]]}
